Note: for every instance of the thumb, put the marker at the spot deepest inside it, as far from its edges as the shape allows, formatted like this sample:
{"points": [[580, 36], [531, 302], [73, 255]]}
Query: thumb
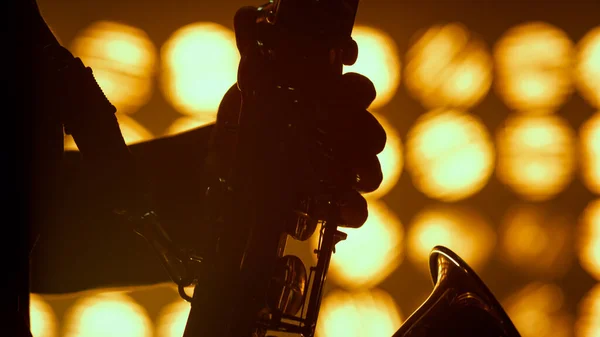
{"points": [[244, 26]]}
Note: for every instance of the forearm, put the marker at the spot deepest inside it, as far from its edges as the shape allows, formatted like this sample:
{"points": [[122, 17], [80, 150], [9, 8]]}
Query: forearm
{"points": [[84, 245]]}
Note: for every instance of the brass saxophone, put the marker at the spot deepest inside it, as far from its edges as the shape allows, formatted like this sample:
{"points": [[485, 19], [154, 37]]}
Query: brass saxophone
{"points": [[246, 286]]}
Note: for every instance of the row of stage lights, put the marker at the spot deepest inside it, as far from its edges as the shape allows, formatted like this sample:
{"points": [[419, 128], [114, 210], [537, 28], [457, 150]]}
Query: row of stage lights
{"points": [[535, 309], [449, 152]]}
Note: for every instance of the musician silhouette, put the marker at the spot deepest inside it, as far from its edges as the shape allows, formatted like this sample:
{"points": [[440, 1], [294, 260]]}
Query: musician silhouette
{"points": [[71, 239]]}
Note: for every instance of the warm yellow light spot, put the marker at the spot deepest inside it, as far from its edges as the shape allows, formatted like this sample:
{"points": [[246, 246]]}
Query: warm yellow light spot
{"points": [[379, 60], [534, 67], [588, 324], [536, 155], [462, 230], [447, 67], [537, 311], [184, 124], [391, 159], [200, 64], [123, 60], [370, 253], [172, 319], [588, 66], [449, 154], [107, 314], [536, 241], [132, 132], [588, 239], [42, 317], [369, 313], [590, 153]]}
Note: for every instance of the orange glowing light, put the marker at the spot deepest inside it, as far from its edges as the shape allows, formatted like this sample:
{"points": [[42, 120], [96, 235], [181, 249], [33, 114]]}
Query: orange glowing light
{"points": [[590, 153], [123, 59], [132, 131], [390, 159], [369, 313], [378, 59], [588, 239], [534, 63], [42, 317], [587, 324], [447, 67], [200, 64], [588, 67], [537, 311], [460, 229], [536, 241], [370, 253], [107, 314], [449, 154], [172, 319], [536, 156]]}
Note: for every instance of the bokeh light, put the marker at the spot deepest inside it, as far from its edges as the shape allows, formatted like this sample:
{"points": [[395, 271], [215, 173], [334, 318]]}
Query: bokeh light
{"points": [[172, 319], [369, 313], [391, 159], [200, 63], [589, 137], [460, 229], [588, 324], [534, 67], [588, 239], [379, 60], [449, 154], [370, 253], [107, 314], [536, 241], [588, 67], [132, 131], [123, 59], [42, 317], [536, 156], [183, 124], [447, 67], [537, 310]]}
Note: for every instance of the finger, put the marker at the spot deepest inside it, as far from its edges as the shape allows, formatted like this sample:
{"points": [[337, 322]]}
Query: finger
{"points": [[351, 134], [244, 26], [353, 209], [368, 174], [356, 90]]}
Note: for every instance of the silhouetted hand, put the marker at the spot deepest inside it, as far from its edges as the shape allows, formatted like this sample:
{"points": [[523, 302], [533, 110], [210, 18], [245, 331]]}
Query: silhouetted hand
{"points": [[351, 134]]}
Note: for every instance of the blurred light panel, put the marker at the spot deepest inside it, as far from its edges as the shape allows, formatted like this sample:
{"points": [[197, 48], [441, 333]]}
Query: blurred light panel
{"points": [[588, 324], [42, 317], [200, 63], [449, 154], [183, 124], [534, 65], [461, 229], [447, 67], [107, 314], [391, 160], [123, 60], [370, 313], [172, 319], [536, 156], [379, 60], [588, 67], [536, 241], [588, 239], [133, 132], [537, 311], [589, 137], [370, 253]]}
